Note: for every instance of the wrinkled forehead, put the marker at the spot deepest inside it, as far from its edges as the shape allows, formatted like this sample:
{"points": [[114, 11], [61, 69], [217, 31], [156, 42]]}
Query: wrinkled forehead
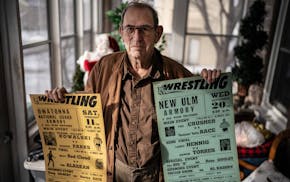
{"points": [[138, 16]]}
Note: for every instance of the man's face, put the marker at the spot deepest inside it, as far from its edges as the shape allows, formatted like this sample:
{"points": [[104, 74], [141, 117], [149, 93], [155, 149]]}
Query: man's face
{"points": [[138, 32]]}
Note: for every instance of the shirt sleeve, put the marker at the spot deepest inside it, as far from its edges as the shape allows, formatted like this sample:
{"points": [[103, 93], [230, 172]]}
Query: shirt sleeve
{"points": [[91, 86]]}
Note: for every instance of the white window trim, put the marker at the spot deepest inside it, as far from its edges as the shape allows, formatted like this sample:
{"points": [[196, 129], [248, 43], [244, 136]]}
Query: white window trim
{"points": [[54, 23], [179, 29], [276, 121]]}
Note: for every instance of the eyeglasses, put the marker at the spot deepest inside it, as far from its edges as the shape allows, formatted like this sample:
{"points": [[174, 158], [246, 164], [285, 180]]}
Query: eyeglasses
{"points": [[144, 29]]}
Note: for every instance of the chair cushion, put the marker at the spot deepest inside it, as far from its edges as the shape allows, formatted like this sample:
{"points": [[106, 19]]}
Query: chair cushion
{"points": [[260, 151]]}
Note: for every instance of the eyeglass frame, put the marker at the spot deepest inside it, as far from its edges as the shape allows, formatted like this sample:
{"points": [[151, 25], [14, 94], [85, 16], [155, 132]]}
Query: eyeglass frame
{"points": [[141, 28]]}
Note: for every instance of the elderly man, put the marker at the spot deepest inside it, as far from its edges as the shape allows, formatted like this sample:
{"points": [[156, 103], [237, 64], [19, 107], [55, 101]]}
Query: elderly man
{"points": [[124, 80]]}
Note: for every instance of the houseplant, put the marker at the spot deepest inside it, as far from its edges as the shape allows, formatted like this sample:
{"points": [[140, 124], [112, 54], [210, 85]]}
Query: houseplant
{"points": [[248, 68], [114, 16]]}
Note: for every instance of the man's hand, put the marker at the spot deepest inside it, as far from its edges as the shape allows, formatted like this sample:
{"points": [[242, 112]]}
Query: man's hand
{"points": [[57, 94], [210, 75]]}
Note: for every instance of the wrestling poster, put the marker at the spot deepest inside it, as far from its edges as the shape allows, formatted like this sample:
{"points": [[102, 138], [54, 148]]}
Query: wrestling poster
{"points": [[196, 129], [73, 137]]}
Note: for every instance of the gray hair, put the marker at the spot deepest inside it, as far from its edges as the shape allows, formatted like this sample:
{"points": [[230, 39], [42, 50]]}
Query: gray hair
{"points": [[141, 5]]}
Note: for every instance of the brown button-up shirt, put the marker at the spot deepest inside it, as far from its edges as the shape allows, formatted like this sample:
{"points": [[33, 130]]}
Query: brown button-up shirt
{"points": [[106, 78], [137, 136]]}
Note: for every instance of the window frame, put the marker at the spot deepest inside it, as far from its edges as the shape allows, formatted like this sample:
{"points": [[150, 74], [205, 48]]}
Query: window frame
{"points": [[54, 44], [276, 121]]}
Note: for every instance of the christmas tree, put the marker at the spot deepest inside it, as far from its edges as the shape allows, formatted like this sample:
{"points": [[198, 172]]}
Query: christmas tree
{"points": [[249, 64]]}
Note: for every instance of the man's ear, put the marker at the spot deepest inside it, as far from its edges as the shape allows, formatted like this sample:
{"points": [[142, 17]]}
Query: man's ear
{"points": [[159, 31], [121, 31]]}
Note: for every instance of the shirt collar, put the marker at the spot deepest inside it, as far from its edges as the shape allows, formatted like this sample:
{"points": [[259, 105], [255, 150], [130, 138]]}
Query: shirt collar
{"points": [[155, 71]]}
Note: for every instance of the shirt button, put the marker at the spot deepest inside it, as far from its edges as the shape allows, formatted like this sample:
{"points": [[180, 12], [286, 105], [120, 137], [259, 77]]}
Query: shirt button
{"points": [[132, 142], [133, 122]]}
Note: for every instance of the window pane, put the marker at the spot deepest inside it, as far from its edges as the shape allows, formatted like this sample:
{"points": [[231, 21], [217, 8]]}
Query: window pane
{"points": [[66, 17], [193, 54], [164, 9], [68, 61], [87, 14], [33, 15], [214, 17], [36, 70], [87, 41], [280, 89], [279, 94], [167, 45], [197, 49]]}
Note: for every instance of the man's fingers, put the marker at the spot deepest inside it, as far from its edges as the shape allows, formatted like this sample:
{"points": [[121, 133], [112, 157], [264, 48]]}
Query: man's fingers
{"points": [[54, 94], [48, 93], [219, 72], [214, 74], [210, 75], [60, 93], [204, 73], [57, 94]]}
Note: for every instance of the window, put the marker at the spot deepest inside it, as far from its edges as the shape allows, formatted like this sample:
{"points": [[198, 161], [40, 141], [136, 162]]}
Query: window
{"points": [[68, 61], [67, 17], [67, 29], [34, 25], [279, 95], [36, 49], [36, 66], [88, 39], [211, 33], [276, 100], [51, 44], [195, 28], [164, 9], [194, 47]]}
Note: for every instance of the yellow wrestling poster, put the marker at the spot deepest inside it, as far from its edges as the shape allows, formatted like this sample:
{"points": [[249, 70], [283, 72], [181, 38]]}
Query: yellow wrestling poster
{"points": [[73, 137]]}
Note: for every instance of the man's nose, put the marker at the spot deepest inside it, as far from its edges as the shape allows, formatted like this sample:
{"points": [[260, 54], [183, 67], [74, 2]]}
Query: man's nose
{"points": [[138, 33]]}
